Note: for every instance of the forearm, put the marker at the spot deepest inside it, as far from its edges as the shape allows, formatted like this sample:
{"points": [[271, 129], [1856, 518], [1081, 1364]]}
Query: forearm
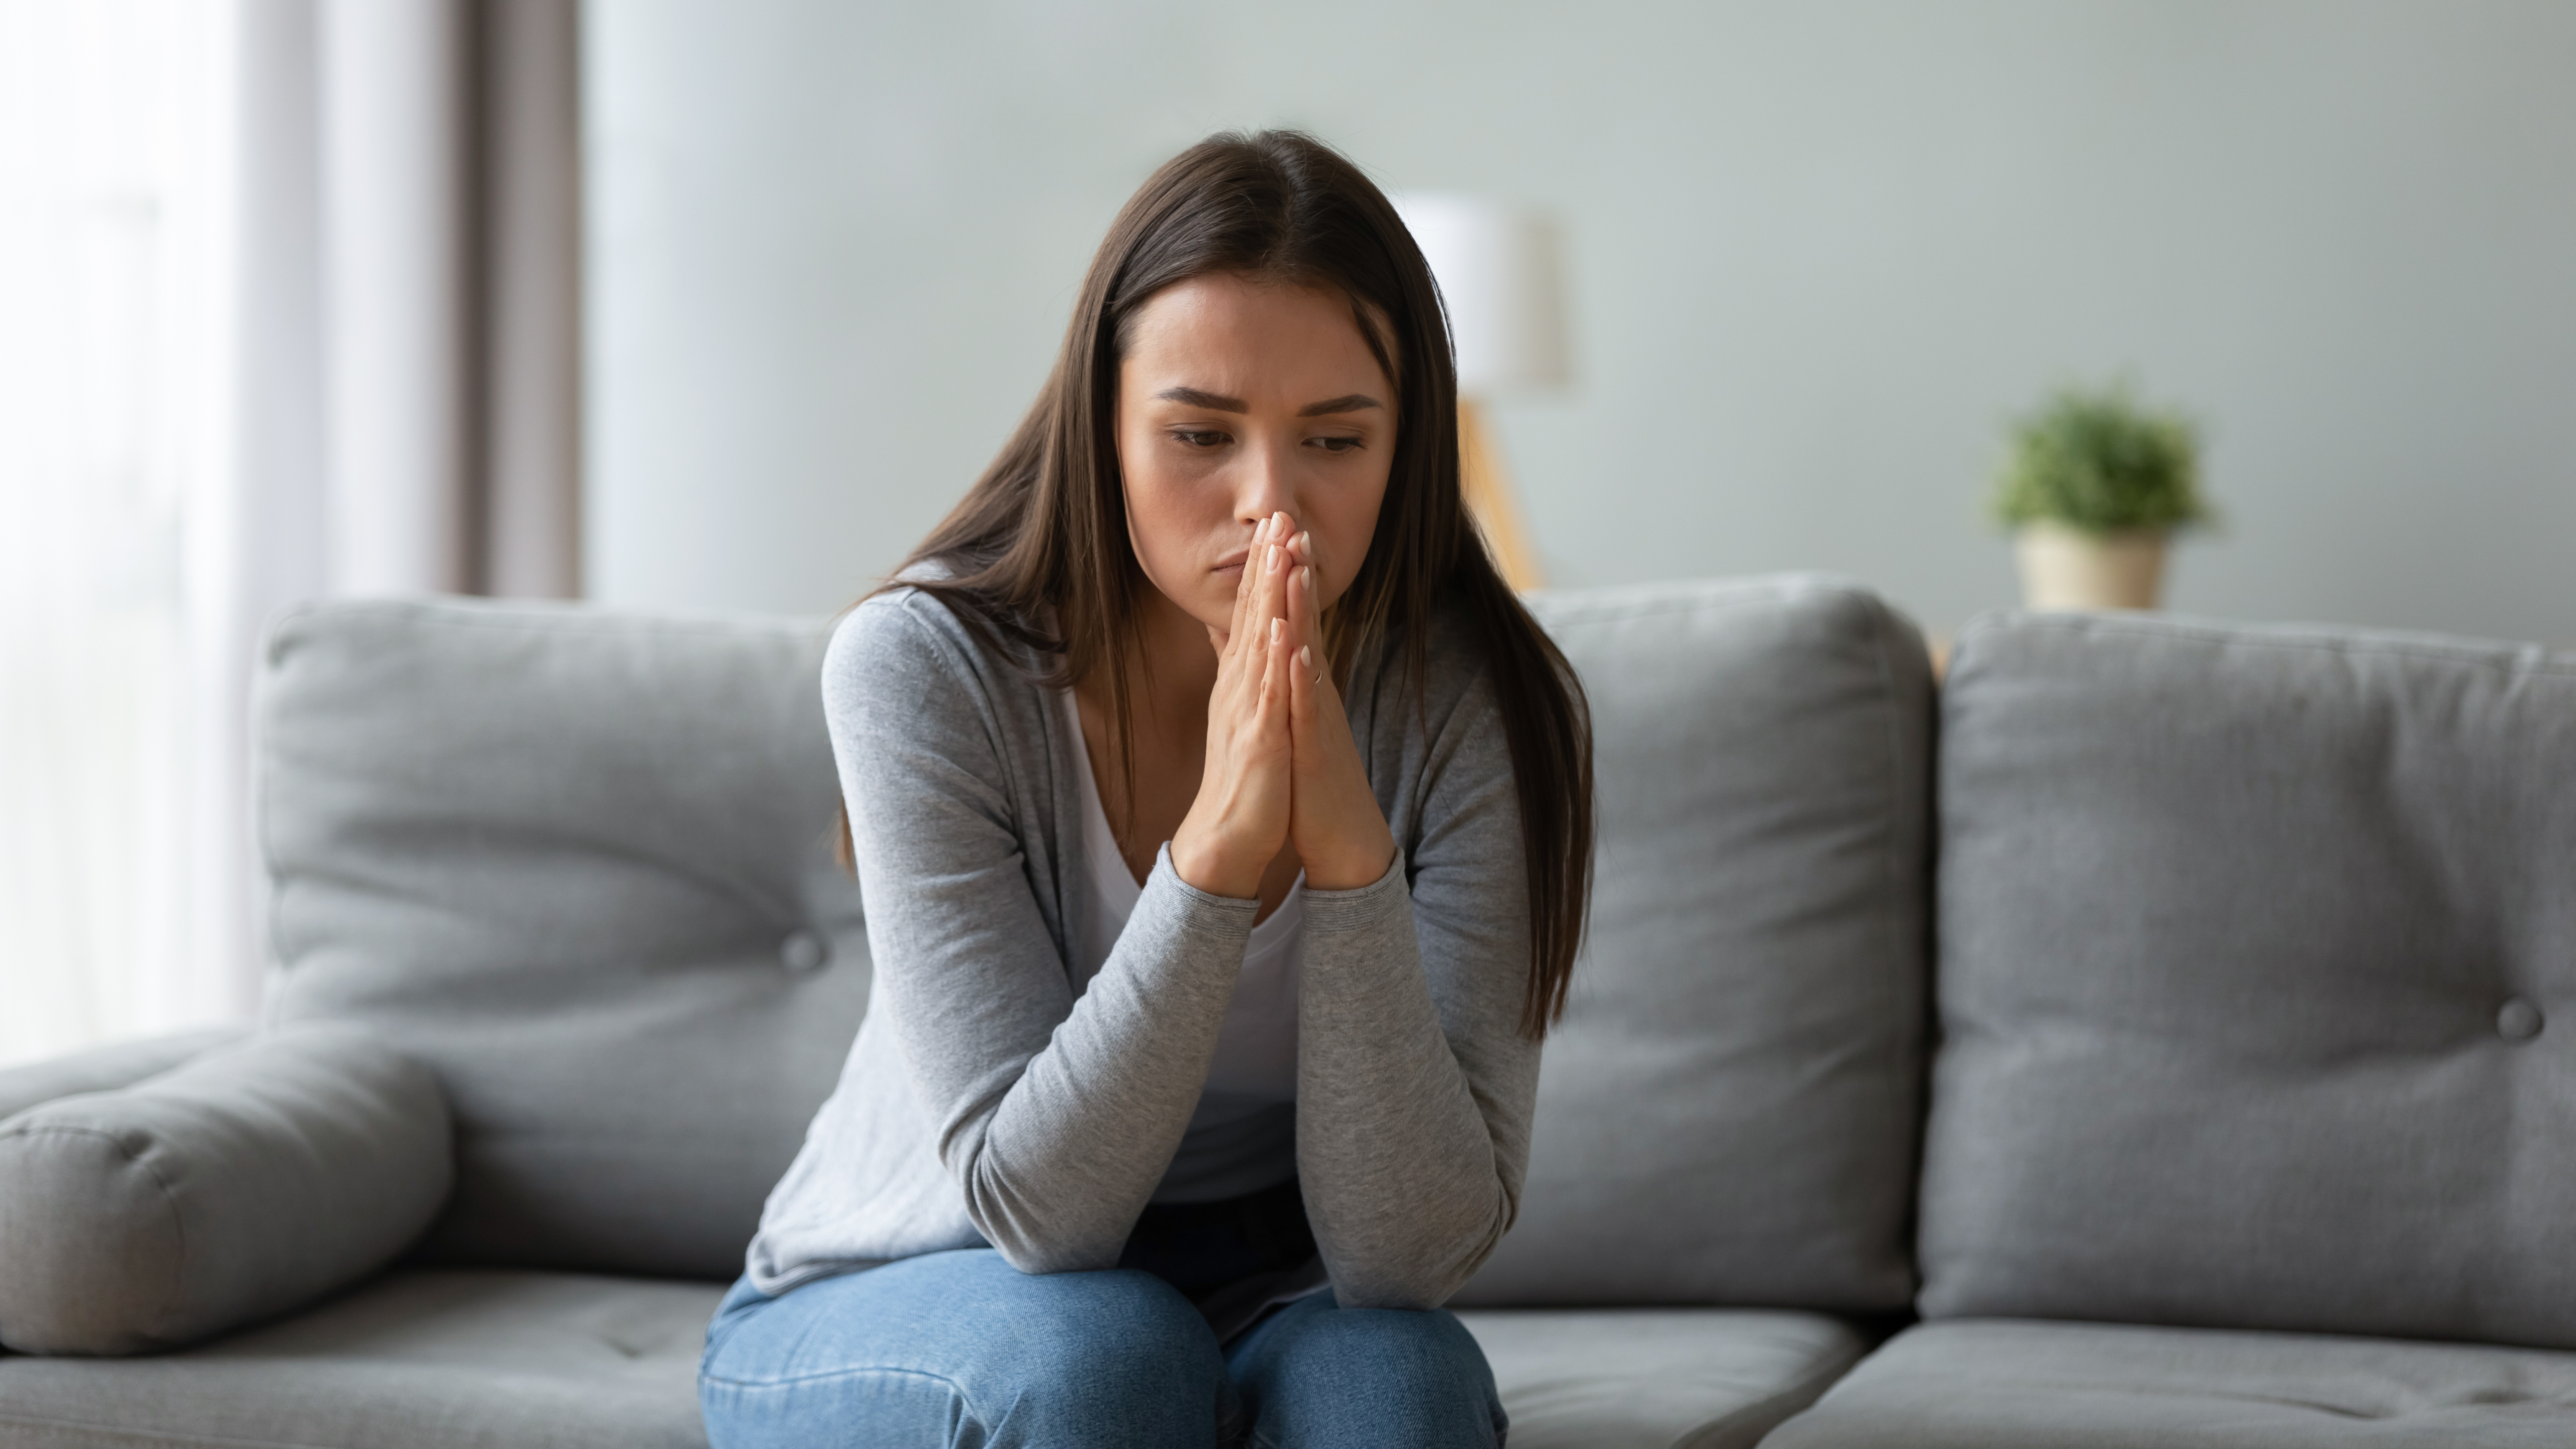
{"points": [[1404, 1185], [1073, 1145]]}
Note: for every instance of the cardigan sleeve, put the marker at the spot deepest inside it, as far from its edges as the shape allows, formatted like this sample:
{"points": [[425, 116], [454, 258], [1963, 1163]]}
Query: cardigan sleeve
{"points": [[1055, 1115], [1415, 1086]]}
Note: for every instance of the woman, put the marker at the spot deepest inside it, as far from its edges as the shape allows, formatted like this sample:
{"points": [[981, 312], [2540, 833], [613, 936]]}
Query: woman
{"points": [[1225, 829]]}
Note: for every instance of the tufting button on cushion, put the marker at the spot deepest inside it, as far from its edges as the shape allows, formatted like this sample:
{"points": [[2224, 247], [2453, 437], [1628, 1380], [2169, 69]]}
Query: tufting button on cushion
{"points": [[2517, 1020], [803, 951]]}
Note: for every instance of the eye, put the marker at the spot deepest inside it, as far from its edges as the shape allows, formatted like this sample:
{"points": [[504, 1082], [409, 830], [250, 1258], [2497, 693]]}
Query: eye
{"points": [[1191, 438], [1334, 444]]}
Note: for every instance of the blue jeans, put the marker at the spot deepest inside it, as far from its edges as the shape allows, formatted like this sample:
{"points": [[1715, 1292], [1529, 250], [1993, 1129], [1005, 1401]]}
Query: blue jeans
{"points": [[962, 1349]]}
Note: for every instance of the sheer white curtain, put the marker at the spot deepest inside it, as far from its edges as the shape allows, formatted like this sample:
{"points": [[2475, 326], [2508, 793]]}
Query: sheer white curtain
{"points": [[115, 196], [288, 306]]}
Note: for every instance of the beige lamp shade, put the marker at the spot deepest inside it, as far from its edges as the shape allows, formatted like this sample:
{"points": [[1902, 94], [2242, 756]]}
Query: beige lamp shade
{"points": [[1502, 279], [1502, 283]]}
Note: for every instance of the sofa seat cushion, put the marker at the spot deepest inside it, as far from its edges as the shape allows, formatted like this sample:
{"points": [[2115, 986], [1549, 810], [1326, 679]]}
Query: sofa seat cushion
{"points": [[416, 1360], [1657, 1378], [2019, 1384], [502, 1359]]}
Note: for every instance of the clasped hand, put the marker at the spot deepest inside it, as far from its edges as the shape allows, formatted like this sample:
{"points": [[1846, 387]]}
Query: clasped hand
{"points": [[1282, 770]]}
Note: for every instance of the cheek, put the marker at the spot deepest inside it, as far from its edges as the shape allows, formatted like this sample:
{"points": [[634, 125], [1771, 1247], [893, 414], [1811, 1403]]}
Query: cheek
{"points": [[1152, 505], [1159, 515], [1344, 523], [1177, 526]]}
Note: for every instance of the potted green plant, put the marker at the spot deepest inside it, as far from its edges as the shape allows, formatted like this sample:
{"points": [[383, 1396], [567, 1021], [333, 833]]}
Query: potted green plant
{"points": [[2094, 487]]}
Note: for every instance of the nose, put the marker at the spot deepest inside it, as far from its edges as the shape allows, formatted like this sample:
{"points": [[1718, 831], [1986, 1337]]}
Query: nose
{"points": [[1263, 485]]}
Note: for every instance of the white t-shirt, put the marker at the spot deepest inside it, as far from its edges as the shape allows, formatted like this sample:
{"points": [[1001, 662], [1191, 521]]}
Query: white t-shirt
{"points": [[1243, 1137]]}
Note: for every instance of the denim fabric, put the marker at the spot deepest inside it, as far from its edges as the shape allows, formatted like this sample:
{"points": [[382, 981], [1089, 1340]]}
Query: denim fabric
{"points": [[961, 1349]]}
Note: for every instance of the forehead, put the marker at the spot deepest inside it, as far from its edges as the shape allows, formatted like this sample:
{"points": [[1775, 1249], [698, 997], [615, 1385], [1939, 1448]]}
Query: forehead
{"points": [[1244, 337]]}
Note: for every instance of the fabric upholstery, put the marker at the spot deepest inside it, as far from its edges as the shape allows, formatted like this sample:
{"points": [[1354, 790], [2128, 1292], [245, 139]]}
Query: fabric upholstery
{"points": [[2258, 981], [1729, 1112], [579, 864], [504, 1359], [1656, 1378], [104, 1068], [419, 1360], [246, 1182], [2002, 1384]]}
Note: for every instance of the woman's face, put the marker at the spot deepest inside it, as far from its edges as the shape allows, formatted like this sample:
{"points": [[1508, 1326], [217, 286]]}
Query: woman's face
{"points": [[1239, 399]]}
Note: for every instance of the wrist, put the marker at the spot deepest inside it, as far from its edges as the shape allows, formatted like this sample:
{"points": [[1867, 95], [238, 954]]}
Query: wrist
{"points": [[1350, 867], [1206, 864]]}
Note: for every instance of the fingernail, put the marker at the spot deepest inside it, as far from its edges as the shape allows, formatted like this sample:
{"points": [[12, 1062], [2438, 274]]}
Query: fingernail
{"points": [[1270, 560], [1275, 626], [1306, 543], [1306, 656], [1306, 578]]}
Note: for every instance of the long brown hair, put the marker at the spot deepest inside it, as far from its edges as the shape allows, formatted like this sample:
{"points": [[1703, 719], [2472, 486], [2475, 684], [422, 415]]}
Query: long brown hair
{"points": [[1037, 552]]}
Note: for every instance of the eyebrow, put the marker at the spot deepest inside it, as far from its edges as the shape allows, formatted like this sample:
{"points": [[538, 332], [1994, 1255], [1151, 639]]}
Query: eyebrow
{"points": [[1347, 403], [1218, 402], [1197, 399]]}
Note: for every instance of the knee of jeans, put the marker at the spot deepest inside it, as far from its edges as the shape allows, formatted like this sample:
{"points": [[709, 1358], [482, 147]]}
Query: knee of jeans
{"points": [[1133, 1319], [1360, 1342], [1104, 1357]]}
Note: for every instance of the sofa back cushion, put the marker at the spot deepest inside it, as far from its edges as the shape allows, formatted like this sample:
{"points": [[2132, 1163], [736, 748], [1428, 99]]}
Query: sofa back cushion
{"points": [[2258, 970], [579, 865], [1729, 1112]]}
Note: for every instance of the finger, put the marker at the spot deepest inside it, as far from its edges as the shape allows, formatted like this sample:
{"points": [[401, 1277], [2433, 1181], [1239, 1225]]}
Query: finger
{"points": [[1328, 699], [1250, 595], [1274, 579], [1274, 677], [1305, 620], [1305, 600], [1301, 694], [1243, 592]]}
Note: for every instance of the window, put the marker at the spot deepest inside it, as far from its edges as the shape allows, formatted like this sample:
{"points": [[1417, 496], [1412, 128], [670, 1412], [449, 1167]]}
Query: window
{"points": [[115, 157]]}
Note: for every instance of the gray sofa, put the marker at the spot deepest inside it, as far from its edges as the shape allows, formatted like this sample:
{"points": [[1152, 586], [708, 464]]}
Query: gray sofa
{"points": [[2235, 1112]]}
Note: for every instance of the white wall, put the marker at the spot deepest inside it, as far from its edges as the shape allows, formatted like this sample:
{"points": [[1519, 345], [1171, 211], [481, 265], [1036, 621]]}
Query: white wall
{"points": [[1821, 251]]}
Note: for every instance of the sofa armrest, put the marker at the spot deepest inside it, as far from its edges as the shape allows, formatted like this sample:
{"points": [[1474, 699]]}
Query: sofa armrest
{"points": [[240, 1185], [105, 1068]]}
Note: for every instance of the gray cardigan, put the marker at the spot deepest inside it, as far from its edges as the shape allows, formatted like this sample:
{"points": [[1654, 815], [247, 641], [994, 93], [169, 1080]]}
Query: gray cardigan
{"points": [[997, 1096]]}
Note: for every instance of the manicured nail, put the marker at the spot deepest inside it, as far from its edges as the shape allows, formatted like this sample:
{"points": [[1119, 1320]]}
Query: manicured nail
{"points": [[1270, 560], [1306, 656], [1306, 543], [1306, 578], [1275, 626]]}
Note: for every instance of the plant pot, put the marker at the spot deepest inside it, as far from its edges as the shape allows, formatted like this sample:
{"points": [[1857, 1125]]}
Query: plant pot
{"points": [[2068, 568]]}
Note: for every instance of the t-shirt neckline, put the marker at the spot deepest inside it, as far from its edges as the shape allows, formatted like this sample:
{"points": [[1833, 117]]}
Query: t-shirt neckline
{"points": [[1116, 887]]}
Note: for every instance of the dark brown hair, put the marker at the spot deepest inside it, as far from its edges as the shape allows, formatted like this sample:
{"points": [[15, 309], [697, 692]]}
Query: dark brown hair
{"points": [[1037, 553]]}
